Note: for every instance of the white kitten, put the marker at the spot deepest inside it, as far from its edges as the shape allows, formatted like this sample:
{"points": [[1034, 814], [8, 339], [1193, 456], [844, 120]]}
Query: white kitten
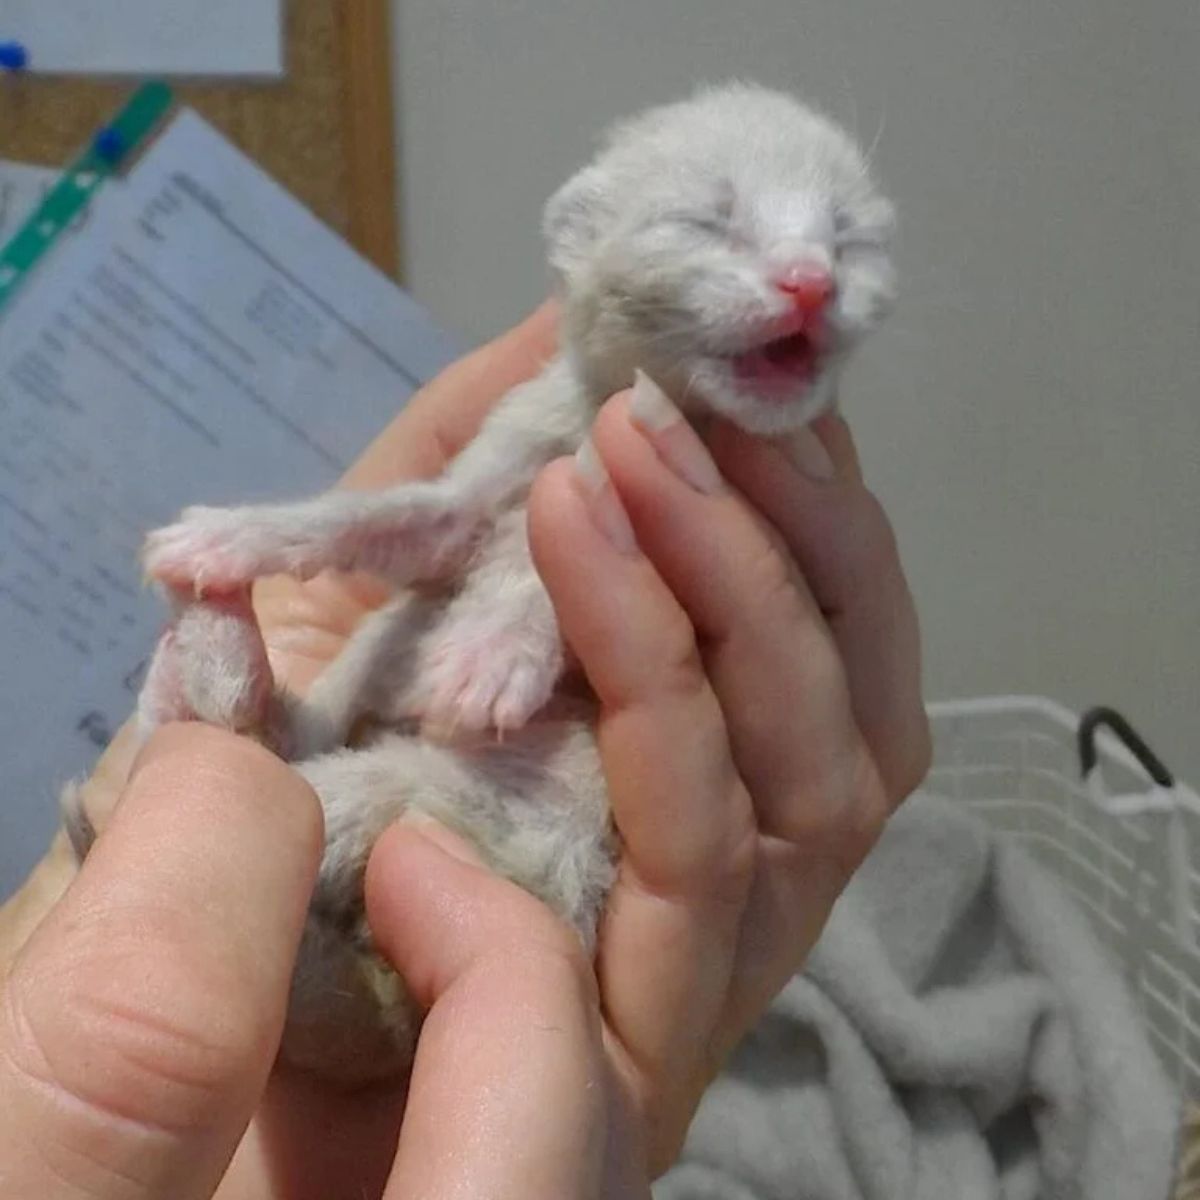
{"points": [[732, 246]]}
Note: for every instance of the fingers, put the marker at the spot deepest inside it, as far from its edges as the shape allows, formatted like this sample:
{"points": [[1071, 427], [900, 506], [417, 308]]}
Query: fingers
{"points": [[510, 1049], [843, 543], [836, 440], [141, 1020], [724, 712], [660, 718], [768, 653], [686, 822], [21, 912]]}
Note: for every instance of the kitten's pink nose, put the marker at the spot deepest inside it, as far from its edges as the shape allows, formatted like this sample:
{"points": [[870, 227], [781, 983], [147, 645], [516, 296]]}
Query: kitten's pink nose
{"points": [[809, 284]]}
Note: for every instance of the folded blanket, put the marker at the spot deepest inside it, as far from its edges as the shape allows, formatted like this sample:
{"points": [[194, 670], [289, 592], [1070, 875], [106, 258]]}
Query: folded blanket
{"points": [[958, 1034]]}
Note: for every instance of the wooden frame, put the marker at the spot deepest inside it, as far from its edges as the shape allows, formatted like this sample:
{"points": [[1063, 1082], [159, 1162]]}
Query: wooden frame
{"points": [[325, 131]]}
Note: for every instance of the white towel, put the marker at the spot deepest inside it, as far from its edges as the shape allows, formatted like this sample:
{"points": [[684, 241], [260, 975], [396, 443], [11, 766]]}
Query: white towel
{"points": [[958, 1034]]}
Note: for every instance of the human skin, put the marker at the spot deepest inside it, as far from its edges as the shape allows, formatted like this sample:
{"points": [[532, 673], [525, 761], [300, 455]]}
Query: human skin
{"points": [[756, 658]]}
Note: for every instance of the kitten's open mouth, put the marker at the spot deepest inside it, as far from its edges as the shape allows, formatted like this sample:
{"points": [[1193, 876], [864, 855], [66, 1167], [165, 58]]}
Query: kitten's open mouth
{"points": [[780, 363]]}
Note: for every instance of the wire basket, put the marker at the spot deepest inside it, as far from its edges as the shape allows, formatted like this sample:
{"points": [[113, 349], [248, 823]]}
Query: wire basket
{"points": [[1094, 804]]}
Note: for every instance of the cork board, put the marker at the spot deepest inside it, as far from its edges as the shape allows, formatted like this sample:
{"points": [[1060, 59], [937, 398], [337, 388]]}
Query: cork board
{"points": [[325, 131]]}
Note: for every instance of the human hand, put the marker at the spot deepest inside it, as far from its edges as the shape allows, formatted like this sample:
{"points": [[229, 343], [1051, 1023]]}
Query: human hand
{"points": [[305, 625], [141, 1019], [740, 825], [755, 651]]}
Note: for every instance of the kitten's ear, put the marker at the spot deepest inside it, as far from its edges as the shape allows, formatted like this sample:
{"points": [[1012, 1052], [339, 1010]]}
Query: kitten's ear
{"points": [[575, 217]]}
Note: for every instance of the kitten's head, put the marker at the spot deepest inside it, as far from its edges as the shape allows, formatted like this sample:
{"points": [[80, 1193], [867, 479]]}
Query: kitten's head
{"points": [[733, 246]]}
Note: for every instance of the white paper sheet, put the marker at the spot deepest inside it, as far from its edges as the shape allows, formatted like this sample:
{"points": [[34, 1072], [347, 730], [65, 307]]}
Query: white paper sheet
{"points": [[21, 188], [203, 339], [139, 37]]}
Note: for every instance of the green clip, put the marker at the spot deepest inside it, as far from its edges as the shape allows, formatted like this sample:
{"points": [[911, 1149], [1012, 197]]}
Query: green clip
{"points": [[109, 149]]}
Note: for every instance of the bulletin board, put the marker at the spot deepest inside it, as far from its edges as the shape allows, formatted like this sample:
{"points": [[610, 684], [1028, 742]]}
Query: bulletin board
{"points": [[325, 131]]}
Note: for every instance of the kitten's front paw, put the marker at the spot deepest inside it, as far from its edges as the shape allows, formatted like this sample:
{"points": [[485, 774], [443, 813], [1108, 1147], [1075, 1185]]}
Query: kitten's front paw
{"points": [[487, 678], [212, 549], [415, 536]]}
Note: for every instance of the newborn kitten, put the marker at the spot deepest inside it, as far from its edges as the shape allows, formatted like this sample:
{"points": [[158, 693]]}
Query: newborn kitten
{"points": [[733, 247]]}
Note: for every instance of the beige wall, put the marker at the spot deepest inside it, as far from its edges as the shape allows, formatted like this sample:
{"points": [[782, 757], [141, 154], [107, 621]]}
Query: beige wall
{"points": [[1032, 415]]}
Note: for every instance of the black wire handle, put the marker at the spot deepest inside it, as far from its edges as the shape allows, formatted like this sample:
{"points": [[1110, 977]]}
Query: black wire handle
{"points": [[1132, 740]]}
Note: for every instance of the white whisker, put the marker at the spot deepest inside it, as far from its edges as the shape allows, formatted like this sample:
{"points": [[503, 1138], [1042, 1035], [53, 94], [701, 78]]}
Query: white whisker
{"points": [[869, 154]]}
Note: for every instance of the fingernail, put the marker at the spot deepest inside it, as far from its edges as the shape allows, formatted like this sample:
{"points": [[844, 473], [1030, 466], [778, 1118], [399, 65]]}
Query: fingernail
{"points": [[676, 441], [809, 456], [442, 838], [607, 512]]}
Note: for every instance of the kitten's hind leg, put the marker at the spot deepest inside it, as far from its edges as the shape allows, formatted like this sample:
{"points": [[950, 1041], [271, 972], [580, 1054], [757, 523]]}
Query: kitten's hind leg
{"points": [[162, 699], [534, 809], [212, 666]]}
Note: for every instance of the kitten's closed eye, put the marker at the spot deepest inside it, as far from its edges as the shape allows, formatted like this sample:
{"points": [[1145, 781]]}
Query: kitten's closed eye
{"points": [[850, 233], [713, 215], [708, 222]]}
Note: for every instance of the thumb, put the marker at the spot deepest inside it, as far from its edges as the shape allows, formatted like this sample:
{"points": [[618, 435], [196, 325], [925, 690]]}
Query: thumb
{"points": [[139, 1023], [508, 1094]]}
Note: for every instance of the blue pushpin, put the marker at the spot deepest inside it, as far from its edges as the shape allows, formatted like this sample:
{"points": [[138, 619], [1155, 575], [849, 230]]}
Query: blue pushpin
{"points": [[13, 56], [109, 144]]}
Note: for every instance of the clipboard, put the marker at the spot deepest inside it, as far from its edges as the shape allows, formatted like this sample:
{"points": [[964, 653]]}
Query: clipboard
{"points": [[325, 132]]}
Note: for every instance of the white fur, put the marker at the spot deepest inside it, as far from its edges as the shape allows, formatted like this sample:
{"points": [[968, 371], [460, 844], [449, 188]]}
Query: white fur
{"points": [[665, 248], [533, 806]]}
